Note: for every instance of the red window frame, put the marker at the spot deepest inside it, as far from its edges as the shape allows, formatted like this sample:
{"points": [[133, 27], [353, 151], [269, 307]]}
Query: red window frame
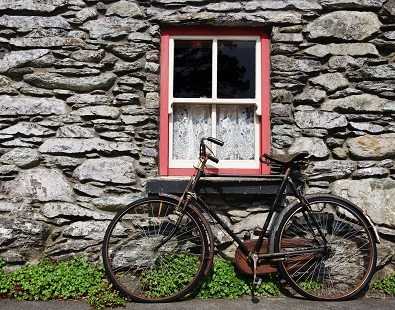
{"points": [[164, 95]]}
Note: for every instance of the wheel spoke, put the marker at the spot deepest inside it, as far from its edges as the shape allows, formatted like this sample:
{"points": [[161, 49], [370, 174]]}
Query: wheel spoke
{"points": [[141, 271], [347, 262]]}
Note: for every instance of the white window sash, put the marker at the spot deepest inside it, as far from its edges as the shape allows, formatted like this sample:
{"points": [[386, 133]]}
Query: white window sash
{"points": [[238, 164]]}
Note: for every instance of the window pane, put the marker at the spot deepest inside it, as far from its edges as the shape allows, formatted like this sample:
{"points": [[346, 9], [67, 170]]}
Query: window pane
{"points": [[236, 69], [192, 68], [190, 124], [235, 126]]}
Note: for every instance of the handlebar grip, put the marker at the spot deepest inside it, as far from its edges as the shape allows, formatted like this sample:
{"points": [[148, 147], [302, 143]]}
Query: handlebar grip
{"points": [[214, 159], [215, 141]]}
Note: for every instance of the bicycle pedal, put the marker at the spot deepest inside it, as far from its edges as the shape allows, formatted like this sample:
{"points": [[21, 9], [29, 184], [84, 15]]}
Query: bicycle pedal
{"points": [[257, 282]]}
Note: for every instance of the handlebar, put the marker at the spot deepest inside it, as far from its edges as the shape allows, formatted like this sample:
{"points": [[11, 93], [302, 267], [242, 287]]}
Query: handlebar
{"points": [[204, 148]]}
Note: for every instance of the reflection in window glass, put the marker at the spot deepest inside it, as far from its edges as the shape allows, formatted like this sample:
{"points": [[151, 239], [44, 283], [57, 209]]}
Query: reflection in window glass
{"points": [[235, 126], [190, 124], [192, 68], [236, 69]]}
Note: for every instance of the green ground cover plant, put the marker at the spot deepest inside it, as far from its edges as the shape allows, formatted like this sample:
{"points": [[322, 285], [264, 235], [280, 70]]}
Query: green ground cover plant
{"points": [[78, 278], [73, 279], [386, 285]]}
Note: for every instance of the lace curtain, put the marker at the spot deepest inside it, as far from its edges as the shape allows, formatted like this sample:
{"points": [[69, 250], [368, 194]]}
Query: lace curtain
{"points": [[234, 125]]}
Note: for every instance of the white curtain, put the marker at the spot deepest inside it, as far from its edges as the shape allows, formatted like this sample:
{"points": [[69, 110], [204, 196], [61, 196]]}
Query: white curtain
{"points": [[234, 125]]}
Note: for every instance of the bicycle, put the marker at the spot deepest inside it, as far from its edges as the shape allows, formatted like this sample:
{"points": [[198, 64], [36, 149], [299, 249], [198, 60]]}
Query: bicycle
{"points": [[322, 245]]}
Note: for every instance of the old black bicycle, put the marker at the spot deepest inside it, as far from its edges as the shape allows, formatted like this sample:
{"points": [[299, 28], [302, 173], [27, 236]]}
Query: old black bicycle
{"points": [[322, 245]]}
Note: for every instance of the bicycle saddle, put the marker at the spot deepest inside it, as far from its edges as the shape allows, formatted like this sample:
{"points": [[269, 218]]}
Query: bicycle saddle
{"points": [[283, 159]]}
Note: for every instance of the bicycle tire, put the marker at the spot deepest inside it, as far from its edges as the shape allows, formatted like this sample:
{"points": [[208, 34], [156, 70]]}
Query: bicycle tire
{"points": [[344, 269], [143, 273]]}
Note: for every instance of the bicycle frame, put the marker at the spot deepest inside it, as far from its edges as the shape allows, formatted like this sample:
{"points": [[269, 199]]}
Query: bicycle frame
{"points": [[190, 194]]}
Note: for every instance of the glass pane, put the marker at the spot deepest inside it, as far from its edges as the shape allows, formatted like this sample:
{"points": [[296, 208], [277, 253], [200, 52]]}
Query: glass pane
{"points": [[190, 124], [236, 127], [192, 68], [236, 69]]}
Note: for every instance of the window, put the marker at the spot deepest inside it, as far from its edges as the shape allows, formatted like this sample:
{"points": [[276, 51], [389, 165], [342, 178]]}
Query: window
{"points": [[214, 82]]}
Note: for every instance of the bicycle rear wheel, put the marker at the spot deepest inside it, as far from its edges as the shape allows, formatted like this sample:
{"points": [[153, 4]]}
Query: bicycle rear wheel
{"points": [[339, 271], [141, 270]]}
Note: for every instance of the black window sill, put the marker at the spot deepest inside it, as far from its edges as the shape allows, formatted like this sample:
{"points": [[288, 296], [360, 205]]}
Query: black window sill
{"points": [[219, 184]]}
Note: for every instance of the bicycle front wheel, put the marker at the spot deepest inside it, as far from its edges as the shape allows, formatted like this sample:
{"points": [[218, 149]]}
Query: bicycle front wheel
{"points": [[339, 268], [139, 260]]}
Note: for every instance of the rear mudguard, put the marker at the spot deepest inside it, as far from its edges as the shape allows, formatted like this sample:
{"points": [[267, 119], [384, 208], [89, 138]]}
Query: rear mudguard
{"points": [[197, 209], [362, 213]]}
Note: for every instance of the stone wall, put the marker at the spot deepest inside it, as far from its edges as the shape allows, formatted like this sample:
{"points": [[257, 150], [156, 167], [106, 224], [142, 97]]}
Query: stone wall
{"points": [[79, 109]]}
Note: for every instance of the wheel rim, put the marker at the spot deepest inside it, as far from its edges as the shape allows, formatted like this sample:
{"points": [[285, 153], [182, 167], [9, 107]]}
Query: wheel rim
{"points": [[140, 270], [339, 270]]}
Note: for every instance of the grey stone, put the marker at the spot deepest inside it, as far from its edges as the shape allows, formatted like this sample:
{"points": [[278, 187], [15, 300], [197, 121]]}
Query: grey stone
{"points": [[74, 72], [382, 72], [34, 22], [345, 62], [128, 51], [32, 5], [113, 203], [88, 229], [126, 67], [284, 4], [284, 63], [260, 18], [53, 210], [340, 153], [39, 184], [47, 42], [99, 111], [23, 105], [330, 170], [373, 147], [89, 99], [224, 7], [365, 103], [286, 130], [118, 170], [331, 82], [288, 37], [19, 58], [75, 131], [367, 127], [152, 100], [249, 223], [376, 197], [125, 9], [88, 55], [130, 98], [62, 162], [113, 27], [320, 119], [8, 170], [372, 172], [314, 146], [344, 25], [377, 87], [21, 157], [83, 84], [27, 129], [140, 37], [69, 146], [86, 14], [311, 96], [89, 190], [342, 49], [352, 4], [386, 163], [281, 96], [134, 119]]}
